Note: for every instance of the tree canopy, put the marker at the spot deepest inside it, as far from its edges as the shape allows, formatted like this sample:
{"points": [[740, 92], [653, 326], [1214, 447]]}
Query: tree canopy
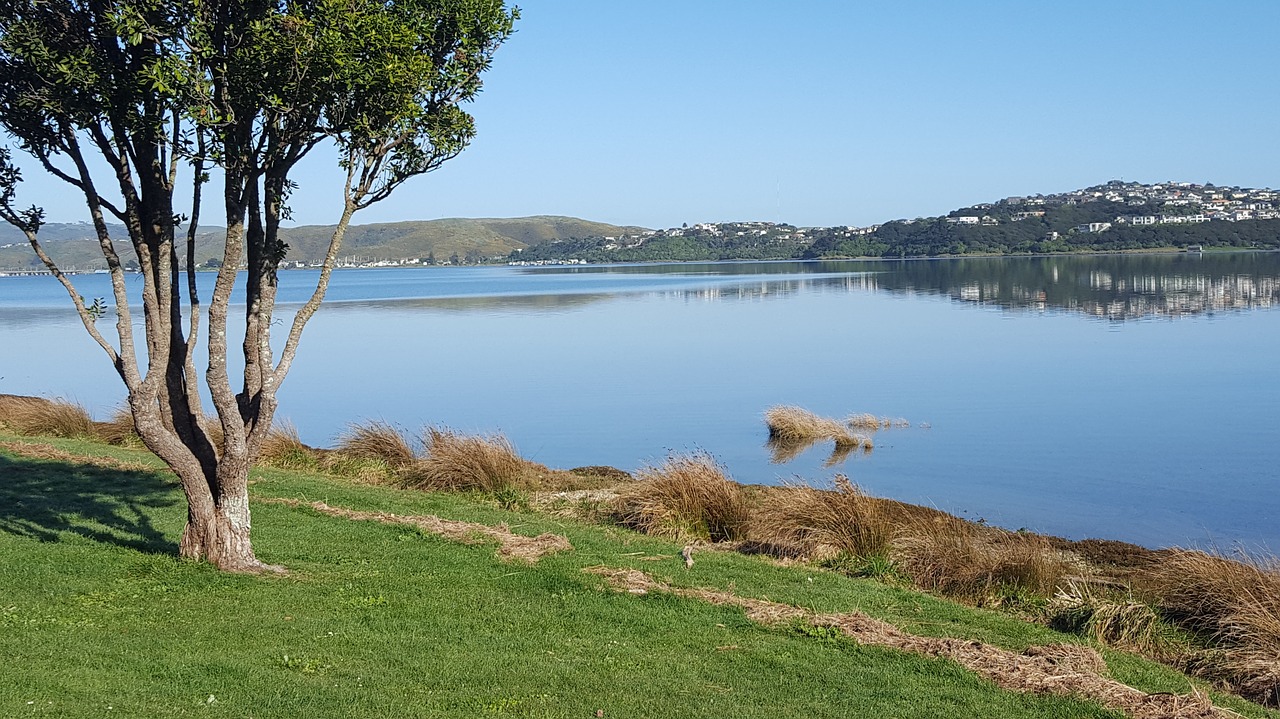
{"points": [[162, 91]]}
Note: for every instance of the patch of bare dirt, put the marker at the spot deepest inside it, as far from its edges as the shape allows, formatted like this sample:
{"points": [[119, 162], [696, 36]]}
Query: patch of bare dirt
{"points": [[511, 546], [39, 450], [1063, 669]]}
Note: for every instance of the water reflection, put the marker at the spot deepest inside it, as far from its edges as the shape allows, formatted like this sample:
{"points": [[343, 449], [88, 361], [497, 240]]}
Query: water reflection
{"points": [[480, 304], [782, 450], [1112, 287]]}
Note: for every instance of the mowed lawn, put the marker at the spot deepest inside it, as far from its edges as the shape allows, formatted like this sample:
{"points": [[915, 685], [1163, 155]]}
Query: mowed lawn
{"points": [[99, 618]]}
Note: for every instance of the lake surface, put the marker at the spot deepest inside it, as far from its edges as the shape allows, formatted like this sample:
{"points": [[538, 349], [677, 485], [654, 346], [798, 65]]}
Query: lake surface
{"points": [[1131, 397]]}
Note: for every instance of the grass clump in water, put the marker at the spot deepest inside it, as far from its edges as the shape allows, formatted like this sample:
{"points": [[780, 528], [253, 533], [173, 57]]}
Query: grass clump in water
{"points": [[794, 429]]}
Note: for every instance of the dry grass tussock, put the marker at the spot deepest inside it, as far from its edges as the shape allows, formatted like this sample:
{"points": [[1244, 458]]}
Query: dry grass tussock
{"points": [[792, 430], [983, 565], [456, 461], [822, 524], [872, 423], [795, 424], [37, 416], [688, 497], [1118, 622], [376, 441], [1236, 604], [118, 430], [283, 448]]}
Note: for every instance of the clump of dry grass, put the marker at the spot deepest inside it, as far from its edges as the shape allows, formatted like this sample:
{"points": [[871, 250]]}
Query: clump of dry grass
{"points": [[983, 565], [377, 441], [794, 429], [470, 462], [688, 497], [1119, 622], [822, 524], [795, 424], [37, 416], [118, 430], [1234, 603], [283, 448], [872, 423]]}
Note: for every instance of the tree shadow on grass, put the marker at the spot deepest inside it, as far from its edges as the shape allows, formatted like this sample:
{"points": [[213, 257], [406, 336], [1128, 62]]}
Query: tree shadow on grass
{"points": [[47, 500]]}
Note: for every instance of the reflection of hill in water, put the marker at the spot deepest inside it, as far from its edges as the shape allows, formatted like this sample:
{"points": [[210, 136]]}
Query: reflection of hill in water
{"points": [[478, 303], [1115, 287]]}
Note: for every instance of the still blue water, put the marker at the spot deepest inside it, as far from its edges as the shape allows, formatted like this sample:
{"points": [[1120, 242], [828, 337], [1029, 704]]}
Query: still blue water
{"points": [[1124, 397]]}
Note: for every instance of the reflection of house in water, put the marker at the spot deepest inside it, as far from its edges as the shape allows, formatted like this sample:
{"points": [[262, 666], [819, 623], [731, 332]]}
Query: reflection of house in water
{"points": [[1114, 287], [1116, 296]]}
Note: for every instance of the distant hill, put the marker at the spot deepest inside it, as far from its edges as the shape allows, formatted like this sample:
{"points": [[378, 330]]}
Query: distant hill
{"points": [[75, 245], [1115, 216]]}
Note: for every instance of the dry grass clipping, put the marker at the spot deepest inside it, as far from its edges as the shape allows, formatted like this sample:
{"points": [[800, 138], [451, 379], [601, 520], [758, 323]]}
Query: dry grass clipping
{"points": [[1061, 669], [821, 524], [510, 546], [37, 416], [35, 450], [688, 497], [471, 462]]}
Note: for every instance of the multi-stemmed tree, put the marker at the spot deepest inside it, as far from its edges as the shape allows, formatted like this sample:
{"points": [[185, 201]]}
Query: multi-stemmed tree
{"points": [[131, 101]]}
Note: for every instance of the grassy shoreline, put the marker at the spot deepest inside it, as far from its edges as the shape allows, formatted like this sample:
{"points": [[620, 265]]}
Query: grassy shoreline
{"points": [[91, 582]]}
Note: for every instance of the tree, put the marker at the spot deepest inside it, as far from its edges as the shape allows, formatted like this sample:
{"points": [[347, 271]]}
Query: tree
{"points": [[249, 87]]}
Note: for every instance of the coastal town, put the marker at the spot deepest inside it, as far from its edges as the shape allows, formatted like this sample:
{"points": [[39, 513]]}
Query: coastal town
{"points": [[1058, 222]]}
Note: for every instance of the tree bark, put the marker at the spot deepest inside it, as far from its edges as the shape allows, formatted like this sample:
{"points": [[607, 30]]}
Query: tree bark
{"points": [[218, 522]]}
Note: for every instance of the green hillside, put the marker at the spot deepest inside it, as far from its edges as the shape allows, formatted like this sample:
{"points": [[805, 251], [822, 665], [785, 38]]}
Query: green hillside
{"points": [[74, 245]]}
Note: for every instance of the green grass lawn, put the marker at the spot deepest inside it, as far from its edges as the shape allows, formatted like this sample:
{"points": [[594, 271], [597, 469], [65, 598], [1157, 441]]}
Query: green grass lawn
{"points": [[99, 618]]}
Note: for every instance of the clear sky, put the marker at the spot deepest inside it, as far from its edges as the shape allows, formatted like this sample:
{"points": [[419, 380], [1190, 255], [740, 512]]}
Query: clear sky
{"points": [[827, 112]]}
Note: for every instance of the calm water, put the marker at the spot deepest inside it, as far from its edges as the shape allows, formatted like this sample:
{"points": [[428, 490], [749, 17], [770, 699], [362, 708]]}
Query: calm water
{"points": [[1132, 397]]}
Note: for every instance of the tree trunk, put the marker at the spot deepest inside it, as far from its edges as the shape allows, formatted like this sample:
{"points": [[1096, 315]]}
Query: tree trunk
{"points": [[217, 531]]}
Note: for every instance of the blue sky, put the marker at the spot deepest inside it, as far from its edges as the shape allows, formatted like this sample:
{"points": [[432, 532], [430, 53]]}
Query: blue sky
{"points": [[840, 111]]}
